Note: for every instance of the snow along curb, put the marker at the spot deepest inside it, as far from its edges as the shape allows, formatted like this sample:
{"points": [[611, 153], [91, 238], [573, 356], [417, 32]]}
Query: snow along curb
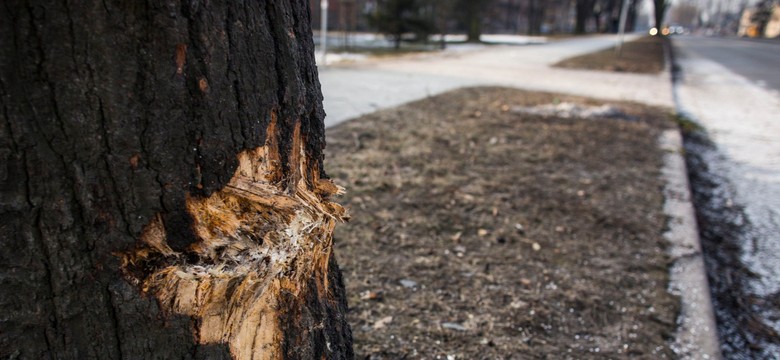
{"points": [[696, 336]]}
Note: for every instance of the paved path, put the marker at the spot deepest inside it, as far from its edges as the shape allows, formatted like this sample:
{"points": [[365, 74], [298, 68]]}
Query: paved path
{"points": [[362, 88]]}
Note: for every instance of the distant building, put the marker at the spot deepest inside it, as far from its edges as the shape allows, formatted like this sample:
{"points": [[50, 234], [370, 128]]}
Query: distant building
{"points": [[748, 27], [773, 26]]}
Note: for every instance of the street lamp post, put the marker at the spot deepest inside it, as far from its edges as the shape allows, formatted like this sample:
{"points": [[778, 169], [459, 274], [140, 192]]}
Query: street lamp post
{"points": [[324, 29]]}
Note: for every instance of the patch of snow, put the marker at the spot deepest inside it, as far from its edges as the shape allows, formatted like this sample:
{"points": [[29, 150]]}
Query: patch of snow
{"points": [[572, 110], [336, 58]]}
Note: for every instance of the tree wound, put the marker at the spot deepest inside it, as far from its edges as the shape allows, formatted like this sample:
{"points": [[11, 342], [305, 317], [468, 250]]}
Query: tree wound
{"points": [[256, 238], [181, 58]]}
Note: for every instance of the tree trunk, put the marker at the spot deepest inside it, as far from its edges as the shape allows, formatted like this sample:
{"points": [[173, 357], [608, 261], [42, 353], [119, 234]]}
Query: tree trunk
{"points": [[474, 32], [659, 12], [612, 9], [440, 11], [161, 186], [584, 10], [534, 17], [631, 16]]}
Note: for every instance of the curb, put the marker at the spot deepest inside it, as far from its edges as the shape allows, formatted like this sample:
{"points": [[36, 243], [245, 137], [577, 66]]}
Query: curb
{"points": [[697, 335]]}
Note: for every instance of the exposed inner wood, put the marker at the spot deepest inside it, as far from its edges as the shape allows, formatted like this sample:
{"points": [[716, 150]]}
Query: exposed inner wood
{"points": [[267, 232]]}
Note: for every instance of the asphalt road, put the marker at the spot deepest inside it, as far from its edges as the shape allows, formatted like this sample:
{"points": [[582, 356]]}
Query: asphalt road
{"points": [[757, 60]]}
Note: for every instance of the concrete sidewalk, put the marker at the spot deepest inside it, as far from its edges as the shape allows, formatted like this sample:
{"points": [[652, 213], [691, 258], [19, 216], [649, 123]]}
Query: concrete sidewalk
{"points": [[361, 88]]}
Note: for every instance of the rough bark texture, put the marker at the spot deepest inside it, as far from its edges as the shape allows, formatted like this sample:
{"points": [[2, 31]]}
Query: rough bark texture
{"points": [[161, 184]]}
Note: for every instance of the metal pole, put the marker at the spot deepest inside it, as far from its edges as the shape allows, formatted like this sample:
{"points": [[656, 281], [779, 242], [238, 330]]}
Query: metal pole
{"points": [[622, 27], [324, 29]]}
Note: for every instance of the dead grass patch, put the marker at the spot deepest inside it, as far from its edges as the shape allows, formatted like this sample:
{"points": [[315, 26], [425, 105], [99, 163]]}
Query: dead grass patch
{"points": [[482, 233], [645, 55]]}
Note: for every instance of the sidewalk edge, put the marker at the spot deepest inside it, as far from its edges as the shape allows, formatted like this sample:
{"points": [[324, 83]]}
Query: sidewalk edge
{"points": [[697, 333], [696, 336]]}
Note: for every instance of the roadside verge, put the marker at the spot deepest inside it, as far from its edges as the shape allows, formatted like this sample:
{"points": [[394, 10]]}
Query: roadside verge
{"points": [[493, 222]]}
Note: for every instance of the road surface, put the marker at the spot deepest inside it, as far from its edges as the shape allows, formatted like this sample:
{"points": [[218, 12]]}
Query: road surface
{"points": [[756, 60], [729, 87]]}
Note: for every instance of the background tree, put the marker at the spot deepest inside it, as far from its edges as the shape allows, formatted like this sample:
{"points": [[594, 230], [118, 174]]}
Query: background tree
{"points": [[659, 11], [162, 194], [536, 15], [685, 13], [441, 12], [584, 10], [395, 18], [471, 14], [607, 15]]}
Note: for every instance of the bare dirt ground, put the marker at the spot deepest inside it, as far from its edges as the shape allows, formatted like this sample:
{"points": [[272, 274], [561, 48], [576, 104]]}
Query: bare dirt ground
{"points": [[482, 232], [645, 55]]}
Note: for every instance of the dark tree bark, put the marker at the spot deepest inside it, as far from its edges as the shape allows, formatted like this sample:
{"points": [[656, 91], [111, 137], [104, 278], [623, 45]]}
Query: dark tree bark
{"points": [[659, 12], [584, 10], [536, 12], [161, 186], [471, 13], [474, 32]]}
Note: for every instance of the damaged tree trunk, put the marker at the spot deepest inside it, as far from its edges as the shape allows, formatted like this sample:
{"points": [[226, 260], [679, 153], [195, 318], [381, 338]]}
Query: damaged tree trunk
{"points": [[161, 185]]}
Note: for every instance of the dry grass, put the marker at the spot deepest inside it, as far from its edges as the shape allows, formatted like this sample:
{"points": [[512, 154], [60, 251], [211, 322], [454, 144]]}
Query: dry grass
{"points": [[645, 55], [525, 236]]}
